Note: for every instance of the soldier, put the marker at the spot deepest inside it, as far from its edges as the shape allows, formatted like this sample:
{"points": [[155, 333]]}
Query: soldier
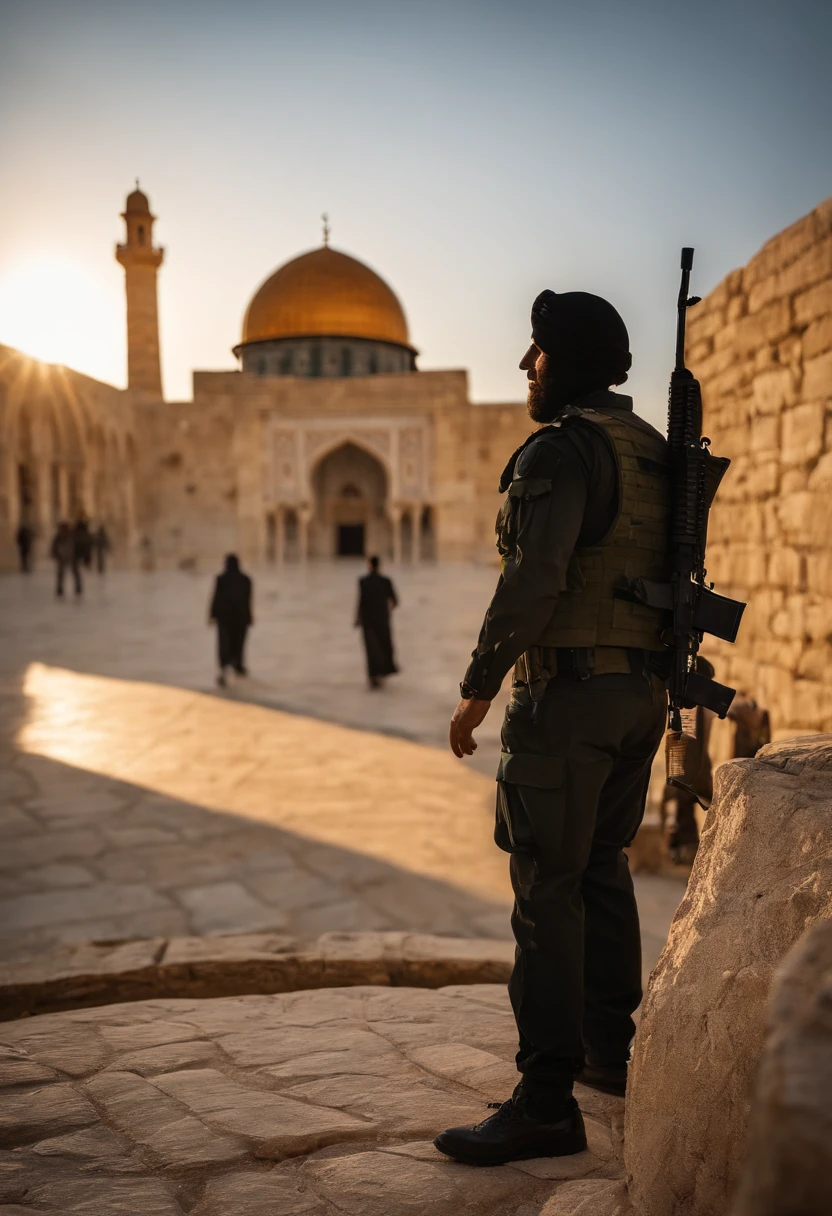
{"points": [[587, 506]]}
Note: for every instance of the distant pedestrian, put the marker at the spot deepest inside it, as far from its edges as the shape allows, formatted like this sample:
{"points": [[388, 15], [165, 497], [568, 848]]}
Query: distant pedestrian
{"points": [[376, 599], [25, 539], [83, 543], [231, 610], [101, 547], [64, 555]]}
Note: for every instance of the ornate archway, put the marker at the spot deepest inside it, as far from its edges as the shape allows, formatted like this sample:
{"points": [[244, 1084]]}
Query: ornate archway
{"points": [[350, 504]]}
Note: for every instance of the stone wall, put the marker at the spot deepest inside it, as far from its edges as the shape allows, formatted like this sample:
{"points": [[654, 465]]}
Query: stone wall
{"points": [[761, 345]]}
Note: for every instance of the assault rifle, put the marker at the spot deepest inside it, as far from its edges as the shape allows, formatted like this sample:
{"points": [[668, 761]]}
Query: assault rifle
{"points": [[695, 607]]}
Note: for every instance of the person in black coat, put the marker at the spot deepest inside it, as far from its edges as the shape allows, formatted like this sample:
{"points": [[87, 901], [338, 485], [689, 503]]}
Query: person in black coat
{"points": [[231, 609], [376, 598]]}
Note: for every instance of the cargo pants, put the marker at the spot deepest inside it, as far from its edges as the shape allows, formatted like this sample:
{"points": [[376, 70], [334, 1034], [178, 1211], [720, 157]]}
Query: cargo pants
{"points": [[571, 792]]}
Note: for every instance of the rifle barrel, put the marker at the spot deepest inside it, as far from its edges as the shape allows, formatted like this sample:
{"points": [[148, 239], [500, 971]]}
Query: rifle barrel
{"points": [[682, 307]]}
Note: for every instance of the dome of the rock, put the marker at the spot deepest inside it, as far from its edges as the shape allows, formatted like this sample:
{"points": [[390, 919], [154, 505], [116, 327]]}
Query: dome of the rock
{"points": [[325, 293]]}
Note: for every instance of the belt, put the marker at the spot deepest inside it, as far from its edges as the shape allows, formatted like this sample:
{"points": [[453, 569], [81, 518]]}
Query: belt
{"points": [[543, 663]]}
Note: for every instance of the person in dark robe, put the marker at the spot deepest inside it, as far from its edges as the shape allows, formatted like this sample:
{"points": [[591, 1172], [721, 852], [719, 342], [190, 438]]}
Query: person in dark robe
{"points": [[25, 539], [83, 542], [65, 557], [101, 546], [231, 610], [376, 599]]}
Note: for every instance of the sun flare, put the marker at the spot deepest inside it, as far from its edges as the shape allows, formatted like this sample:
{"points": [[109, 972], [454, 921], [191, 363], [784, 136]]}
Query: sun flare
{"points": [[53, 309]]}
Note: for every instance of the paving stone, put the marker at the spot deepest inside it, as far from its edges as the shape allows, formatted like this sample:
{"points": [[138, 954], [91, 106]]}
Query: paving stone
{"points": [[177, 1141], [42, 1111], [167, 1058], [92, 1148], [58, 907], [380, 1183], [107, 1197], [67, 1046], [227, 907], [407, 1108], [264, 1193], [274, 1125], [257, 1046], [59, 875], [18, 1068]]}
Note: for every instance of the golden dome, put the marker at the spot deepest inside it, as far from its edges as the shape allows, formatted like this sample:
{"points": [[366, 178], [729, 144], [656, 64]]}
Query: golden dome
{"points": [[325, 293]]}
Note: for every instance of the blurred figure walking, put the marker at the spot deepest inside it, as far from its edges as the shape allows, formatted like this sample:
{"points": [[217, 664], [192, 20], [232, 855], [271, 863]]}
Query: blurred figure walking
{"points": [[83, 542], [231, 610], [25, 539], [65, 557], [376, 599], [101, 547]]}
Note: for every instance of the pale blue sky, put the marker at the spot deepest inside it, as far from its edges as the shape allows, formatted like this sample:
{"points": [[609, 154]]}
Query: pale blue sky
{"points": [[472, 153]]}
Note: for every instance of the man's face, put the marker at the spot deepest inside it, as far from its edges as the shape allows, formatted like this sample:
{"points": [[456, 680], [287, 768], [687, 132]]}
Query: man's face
{"points": [[538, 368]]}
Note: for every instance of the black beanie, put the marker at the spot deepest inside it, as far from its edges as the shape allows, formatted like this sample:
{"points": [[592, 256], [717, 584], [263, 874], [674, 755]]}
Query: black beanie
{"points": [[583, 333]]}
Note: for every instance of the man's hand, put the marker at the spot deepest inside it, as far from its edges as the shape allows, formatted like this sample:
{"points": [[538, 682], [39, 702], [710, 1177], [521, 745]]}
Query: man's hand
{"points": [[467, 717]]}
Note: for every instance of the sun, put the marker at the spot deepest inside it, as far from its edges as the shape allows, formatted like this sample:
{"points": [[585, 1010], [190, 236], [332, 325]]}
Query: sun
{"points": [[52, 309]]}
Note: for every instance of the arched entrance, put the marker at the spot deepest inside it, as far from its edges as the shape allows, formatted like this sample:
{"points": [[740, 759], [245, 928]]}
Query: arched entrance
{"points": [[350, 517]]}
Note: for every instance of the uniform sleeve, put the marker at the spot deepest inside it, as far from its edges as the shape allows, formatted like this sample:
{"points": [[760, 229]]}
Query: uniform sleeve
{"points": [[550, 494]]}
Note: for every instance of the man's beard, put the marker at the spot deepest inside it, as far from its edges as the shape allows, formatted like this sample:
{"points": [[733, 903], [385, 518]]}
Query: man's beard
{"points": [[546, 399], [558, 386]]}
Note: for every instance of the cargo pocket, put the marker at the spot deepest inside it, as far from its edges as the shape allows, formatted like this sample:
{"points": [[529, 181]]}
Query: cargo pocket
{"points": [[522, 780]]}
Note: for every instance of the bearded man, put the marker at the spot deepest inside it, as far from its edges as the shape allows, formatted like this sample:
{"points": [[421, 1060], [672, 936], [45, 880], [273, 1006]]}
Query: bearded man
{"points": [[587, 508]]}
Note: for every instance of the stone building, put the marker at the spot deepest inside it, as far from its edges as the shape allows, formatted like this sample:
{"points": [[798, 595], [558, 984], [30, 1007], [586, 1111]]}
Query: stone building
{"points": [[327, 441], [67, 448], [761, 345]]}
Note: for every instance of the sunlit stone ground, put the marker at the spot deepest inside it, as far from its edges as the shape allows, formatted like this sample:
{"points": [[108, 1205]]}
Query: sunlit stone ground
{"points": [[141, 801]]}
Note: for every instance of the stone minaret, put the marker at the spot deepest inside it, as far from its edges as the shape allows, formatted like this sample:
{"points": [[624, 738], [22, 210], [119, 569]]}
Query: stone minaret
{"points": [[141, 262]]}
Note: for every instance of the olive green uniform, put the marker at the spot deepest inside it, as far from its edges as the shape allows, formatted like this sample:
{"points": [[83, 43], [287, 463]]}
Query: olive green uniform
{"points": [[587, 509]]}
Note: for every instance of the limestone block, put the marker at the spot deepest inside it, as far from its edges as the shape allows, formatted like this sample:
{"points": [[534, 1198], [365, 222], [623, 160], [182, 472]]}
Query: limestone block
{"points": [[762, 875], [820, 478], [817, 377], [794, 512], [814, 303], [803, 427], [737, 307], [791, 1119], [813, 266], [773, 390], [818, 337], [706, 321], [784, 568], [819, 619], [819, 573], [782, 250]]}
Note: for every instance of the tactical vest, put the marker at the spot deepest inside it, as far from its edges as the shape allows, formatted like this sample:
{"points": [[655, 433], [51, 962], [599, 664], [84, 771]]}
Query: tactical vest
{"points": [[588, 612]]}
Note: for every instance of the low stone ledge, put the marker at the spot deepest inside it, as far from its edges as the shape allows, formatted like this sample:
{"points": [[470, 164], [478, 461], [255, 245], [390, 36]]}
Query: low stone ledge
{"points": [[103, 973]]}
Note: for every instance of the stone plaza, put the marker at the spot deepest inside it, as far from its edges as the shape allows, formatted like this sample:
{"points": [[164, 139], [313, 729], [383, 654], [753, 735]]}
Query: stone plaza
{"points": [[142, 802]]}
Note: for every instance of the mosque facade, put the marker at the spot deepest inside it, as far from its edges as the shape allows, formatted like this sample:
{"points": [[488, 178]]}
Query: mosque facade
{"points": [[328, 441]]}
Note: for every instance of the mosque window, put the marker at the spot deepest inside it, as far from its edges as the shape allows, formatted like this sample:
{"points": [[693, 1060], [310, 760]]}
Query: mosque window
{"points": [[372, 363], [141, 234], [315, 360], [261, 367], [346, 361], [350, 491]]}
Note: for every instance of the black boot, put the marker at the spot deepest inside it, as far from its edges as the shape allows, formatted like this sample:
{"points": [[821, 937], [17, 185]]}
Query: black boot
{"points": [[606, 1078], [513, 1134]]}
